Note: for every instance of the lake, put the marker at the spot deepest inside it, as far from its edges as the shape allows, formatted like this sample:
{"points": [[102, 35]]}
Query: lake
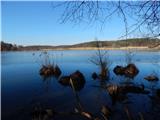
{"points": [[22, 88]]}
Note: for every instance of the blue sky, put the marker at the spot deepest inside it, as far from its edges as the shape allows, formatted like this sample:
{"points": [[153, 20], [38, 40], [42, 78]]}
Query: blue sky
{"points": [[37, 23]]}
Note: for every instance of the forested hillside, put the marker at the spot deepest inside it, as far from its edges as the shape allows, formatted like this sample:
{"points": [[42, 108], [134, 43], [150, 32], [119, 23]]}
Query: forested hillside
{"points": [[136, 42]]}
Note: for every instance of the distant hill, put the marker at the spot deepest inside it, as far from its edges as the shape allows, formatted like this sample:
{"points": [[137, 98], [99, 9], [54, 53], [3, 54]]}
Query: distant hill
{"points": [[136, 42], [139, 42]]}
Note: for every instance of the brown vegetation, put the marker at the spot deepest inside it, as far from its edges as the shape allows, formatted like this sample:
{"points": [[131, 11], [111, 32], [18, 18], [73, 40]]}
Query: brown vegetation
{"points": [[49, 70], [100, 58]]}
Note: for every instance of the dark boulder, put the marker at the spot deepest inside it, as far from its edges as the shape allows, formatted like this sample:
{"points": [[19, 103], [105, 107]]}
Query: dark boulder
{"points": [[65, 80], [42, 70], [131, 70], [77, 76], [133, 89], [119, 93], [115, 94], [119, 70], [40, 113], [94, 76], [78, 80], [49, 70], [57, 71], [46, 70], [151, 78]]}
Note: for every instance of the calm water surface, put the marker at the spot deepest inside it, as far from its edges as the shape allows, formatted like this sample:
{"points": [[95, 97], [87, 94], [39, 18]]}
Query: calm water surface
{"points": [[23, 87]]}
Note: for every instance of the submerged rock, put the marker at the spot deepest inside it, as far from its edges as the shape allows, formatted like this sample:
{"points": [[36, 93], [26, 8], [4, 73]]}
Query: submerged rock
{"points": [[57, 71], [39, 113], [151, 78], [124, 89], [94, 76], [65, 80], [115, 94], [49, 70], [46, 70], [133, 89], [119, 93], [77, 79], [104, 75], [119, 70], [130, 70]]}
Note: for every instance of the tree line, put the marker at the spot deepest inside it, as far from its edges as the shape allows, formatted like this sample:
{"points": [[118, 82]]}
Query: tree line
{"points": [[135, 42]]}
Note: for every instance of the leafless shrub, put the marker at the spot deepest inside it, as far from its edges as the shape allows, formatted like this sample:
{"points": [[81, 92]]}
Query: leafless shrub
{"points": [[101, 59]]}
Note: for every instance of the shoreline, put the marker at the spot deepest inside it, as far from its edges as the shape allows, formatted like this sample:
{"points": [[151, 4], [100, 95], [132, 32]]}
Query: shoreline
{"points": [[132, 48], [109, 48]]}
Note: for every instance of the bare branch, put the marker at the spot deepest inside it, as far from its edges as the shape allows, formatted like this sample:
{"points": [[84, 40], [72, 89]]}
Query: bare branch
{"points": [[146, 14]]}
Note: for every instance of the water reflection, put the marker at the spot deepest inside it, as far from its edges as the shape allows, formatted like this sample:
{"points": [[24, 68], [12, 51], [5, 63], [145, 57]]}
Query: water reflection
{"points": [[47, 83]]}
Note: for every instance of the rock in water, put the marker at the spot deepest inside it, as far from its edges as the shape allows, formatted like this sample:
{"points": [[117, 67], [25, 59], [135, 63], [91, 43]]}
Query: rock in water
{"points": [[119, 70], [131, 70], [42, 70], [49, 70], [46, 70], [94, 76], [65, 80], [133, 89], [57, 71], [151, 78], [78, 80]]}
